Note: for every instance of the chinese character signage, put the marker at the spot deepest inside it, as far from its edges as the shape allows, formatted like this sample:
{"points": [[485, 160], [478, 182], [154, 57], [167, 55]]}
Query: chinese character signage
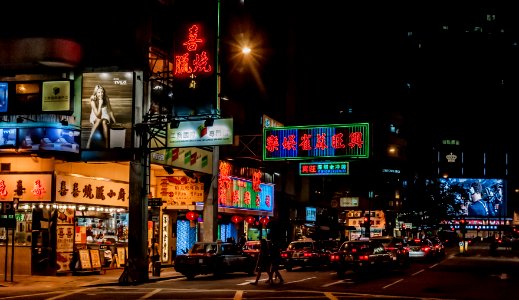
{"points": [[195, 133], [194, 52], [236, 192], [56, 96], [324, 168], [26, 187], [179, 191], [310, 142], [80, 190]]}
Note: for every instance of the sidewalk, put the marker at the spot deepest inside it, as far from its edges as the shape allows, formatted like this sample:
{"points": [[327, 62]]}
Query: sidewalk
{"points": [[110, 277]]}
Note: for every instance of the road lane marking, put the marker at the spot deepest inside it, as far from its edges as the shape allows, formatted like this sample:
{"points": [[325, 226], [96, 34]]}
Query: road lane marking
{"points": [[68, 294], [332, 283], [238, 295], [300, 280], [386, 286], [148, 295], [330, 296], [422, 270]]}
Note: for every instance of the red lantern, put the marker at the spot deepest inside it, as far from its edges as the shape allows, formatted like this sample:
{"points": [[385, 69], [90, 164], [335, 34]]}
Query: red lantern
{"points": [[236, 219], [250, 219], [191, 216], [265, 220]]}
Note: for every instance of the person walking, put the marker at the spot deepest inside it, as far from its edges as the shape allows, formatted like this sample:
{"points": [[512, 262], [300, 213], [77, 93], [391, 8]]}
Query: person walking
{"points": [[263, 263], [275, 261]]}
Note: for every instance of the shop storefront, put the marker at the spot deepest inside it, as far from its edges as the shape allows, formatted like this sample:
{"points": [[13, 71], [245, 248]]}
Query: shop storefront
{"points": [[67, 217]]}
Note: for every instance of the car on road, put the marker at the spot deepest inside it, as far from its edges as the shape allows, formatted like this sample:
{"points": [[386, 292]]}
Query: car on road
{"points": [[398, 248], [361, 256], [421, 249], [304, 253], [214, 258], [252, 248]]}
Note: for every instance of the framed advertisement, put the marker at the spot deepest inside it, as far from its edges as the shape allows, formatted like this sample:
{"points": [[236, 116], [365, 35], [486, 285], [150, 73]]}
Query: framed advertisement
{"points": [[84, 259], [121, 255], [65, 238], [96, 260], [116, 91]]}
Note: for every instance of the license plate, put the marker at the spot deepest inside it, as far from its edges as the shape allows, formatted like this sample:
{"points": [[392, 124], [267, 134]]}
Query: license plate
{"points": [[200, 260]]}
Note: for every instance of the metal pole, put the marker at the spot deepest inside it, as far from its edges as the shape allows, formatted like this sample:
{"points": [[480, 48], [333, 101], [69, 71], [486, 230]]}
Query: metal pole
{"points": [[210, 231], [6, 251], [12, 254]]}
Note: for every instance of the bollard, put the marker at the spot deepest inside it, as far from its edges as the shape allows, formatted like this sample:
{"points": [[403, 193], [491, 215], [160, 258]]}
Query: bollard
{"points": [[156, 268]]}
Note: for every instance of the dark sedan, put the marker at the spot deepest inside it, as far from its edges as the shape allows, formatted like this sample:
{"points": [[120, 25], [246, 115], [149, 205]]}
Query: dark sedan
{"points": [[361, 256], [214, 258]]}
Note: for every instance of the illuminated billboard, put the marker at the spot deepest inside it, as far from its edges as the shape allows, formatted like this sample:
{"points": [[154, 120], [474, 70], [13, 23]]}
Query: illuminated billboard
{"points": [[324, 168], [474, 197], [107, 110], [310, 142]]}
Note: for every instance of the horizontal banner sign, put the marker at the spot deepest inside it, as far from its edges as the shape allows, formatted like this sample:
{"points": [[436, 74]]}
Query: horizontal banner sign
{"points": [[190, 158], [310, 142], [199, 133], [26, 187], [324, 168]]}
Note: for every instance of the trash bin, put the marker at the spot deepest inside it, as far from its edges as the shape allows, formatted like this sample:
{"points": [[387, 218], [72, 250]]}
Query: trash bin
{"points": [[156, 268]]}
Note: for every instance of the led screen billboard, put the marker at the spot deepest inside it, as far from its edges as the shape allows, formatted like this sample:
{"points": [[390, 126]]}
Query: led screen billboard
{"points": [[474, 197]]}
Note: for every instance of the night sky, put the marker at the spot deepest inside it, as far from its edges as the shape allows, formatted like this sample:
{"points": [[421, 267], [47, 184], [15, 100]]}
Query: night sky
{"points": [[448, 67]]}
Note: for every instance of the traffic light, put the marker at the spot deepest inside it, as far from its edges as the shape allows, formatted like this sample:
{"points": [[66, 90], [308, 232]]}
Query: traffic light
{"points": [[366, 224]]}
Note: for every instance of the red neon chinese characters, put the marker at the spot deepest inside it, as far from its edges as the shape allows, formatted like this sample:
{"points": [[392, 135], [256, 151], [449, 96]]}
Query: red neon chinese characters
{"points": [[305, 142], [224, 182], [192, 39], [289, 143], [272, 143], [321, 141], [192, 62], [256, 180], [337, 142], [355, 139]]}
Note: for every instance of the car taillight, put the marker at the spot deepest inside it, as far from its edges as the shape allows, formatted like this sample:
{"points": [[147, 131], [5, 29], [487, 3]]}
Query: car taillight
{"points": [[426, 249], [363, 257], [309, 254], [334, 257], [284, 255]]}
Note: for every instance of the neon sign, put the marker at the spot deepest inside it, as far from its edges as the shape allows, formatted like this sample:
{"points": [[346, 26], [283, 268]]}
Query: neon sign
{"points": [[308, 142], [324, 168], [195, 60]]}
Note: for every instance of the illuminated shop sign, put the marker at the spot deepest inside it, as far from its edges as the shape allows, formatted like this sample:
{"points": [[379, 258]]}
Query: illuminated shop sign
{"points": [[179, 191], [196, 133], [236, 192], [324, 168], [311, 214], [310, 142], [84, 190], [4, 96], [26, 187], [194, 51]]}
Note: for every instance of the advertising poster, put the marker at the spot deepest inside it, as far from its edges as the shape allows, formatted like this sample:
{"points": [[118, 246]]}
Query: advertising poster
{"points": [[63, 260], [84, 258], [65, 238], [106, 110]]}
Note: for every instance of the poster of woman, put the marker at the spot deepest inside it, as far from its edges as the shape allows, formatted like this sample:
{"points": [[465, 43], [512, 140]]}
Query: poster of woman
{"points": [[106, 110]]}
